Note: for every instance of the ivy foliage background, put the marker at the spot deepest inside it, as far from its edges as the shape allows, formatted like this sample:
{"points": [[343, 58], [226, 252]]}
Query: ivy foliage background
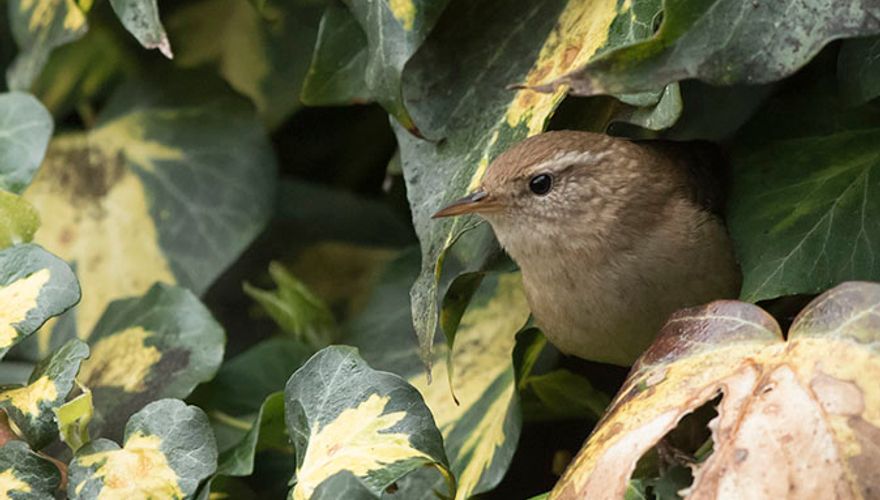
{"points": [[217, 260]]}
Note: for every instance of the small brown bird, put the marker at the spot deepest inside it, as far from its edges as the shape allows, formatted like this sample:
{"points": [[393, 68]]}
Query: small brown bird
{"points": [[611, 236]]}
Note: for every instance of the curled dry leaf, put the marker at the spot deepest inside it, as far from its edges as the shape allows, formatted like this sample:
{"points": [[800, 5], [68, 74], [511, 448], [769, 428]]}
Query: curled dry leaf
{"points": [[798, 418]]}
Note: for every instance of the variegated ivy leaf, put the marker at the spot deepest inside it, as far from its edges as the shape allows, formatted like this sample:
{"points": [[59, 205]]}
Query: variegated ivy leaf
{"points": [[162, 189], [24, 475], [38, 27], [32, 406], [339, 62], [482, 429], [34, 286], [168, 449], [160, 345], [141, 19], [262, 55], [25, 129], [343, 415], [394, 31]]}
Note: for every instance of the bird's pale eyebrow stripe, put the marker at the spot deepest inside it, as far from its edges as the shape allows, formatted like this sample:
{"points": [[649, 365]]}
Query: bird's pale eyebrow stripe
{"points": [[563, 159]]}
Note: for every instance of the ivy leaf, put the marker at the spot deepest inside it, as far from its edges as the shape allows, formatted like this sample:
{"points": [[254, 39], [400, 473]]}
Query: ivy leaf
{"points": [[34, 286], [150, 158], [299, 312], [141, 19], [394, 31], [343, 415], [160, 345], [39, 26], [339, 61], [858, 69], [168, 449], [723, 42], [32, 407], [25, 129], [25, 475], [803, 209], [804, 405], [265, 57]]}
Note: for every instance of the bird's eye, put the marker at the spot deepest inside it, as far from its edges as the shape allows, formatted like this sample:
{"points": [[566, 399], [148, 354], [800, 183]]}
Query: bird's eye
{"points": [[541, 184]]}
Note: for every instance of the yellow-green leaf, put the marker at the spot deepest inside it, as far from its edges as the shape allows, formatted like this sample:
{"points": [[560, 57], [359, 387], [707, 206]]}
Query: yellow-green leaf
{"points": [[168, 449], [807, 408], [18, 220], [344, 416], [73, 419]]}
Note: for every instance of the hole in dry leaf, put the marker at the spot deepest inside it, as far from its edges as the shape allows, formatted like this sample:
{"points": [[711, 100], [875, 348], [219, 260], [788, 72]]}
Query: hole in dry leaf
{"points": [[666, 468]]}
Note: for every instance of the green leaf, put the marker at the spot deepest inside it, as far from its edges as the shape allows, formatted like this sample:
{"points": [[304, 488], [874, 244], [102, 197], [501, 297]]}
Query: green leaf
{"points": [[24, 475], [723, 42], [73, 419], [343, 415], [160, 345], [804, 204], [168, 450], [39, 26], [151, 158], [263, 57], [298, 311], [561, 394], [482, 429], [34, 286], [859, 69], [32, 407], [339, 62], [345, 485], [141, 19], [395, 30], [466, 102], [25, 129], [267, 431], [18, 220]]}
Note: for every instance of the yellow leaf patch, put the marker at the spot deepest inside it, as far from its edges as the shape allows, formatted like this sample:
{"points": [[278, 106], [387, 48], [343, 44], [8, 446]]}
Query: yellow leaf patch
{"points": [[11, 484], [120, 360], [28, 398], [404, 11], [16, 300], [356, 441], [138, 470]]}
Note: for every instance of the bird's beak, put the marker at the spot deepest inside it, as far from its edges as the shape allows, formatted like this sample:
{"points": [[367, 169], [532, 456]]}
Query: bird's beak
{"points": [[478, 201]]}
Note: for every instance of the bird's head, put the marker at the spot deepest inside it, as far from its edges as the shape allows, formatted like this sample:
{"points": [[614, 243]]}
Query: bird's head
{"points": [[565, 184]]}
